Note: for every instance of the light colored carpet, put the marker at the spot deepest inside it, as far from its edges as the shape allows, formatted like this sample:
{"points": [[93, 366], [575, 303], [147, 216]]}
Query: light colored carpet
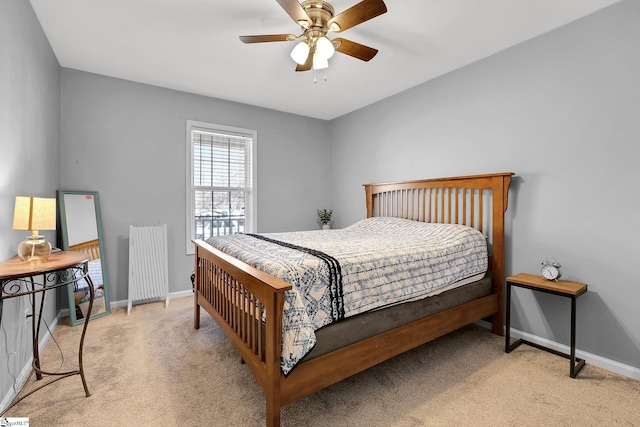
{"points": [[152, 368]]}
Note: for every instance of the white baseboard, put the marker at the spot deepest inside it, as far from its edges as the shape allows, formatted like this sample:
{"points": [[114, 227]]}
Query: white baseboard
{"points": [[172, 295], [589, 358]]}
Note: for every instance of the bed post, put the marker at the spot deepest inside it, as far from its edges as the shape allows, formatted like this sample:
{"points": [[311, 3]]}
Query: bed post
{"points": [[273, 349], [196, 305], [369, 201], [500, 197]]}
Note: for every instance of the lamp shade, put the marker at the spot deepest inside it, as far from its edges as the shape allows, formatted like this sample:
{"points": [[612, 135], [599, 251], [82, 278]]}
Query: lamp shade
{"points": [[34, 213], [319, 62], [325, 48], [300, 53]]}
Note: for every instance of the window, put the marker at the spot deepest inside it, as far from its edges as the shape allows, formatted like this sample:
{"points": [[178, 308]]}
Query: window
{"points": [[220, 181]]}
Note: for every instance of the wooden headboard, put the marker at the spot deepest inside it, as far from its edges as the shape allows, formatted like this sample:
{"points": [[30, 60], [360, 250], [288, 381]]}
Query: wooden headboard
{"points": [[478, 201], [91, 248]]}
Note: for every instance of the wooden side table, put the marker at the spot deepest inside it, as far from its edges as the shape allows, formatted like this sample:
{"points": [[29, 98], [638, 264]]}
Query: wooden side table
{"points": [[562, 288], [19, 278]]}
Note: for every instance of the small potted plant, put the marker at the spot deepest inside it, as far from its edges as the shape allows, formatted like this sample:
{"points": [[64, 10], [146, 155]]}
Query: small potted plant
{"points": [[325, 218]]}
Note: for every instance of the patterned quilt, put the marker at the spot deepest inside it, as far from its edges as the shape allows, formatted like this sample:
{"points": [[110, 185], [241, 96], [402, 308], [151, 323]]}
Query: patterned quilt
{"points": [[372, 264]]}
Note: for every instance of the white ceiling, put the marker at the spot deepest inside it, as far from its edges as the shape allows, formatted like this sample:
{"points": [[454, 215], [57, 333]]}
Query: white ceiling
{"points": [[193, 45]]}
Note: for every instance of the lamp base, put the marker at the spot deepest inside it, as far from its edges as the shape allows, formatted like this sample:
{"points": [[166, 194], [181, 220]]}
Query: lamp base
{"points": [[34, 249]]}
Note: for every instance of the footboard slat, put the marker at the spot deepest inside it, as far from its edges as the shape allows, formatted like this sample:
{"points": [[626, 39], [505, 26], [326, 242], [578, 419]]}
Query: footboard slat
{"points": [[236, 305]]}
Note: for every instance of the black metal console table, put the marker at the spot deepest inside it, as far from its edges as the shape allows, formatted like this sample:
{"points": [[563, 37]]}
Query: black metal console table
{"points": [[19, 278]]}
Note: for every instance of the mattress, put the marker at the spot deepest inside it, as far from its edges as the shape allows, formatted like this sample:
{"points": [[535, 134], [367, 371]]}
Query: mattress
{"points": [[366, 325], [375, 263]]}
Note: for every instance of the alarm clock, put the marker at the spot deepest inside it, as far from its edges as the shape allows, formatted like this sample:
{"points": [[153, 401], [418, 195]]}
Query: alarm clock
{"points": [[551, 269]]}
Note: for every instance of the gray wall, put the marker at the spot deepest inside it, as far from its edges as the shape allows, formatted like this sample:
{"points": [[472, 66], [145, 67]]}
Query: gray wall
{"points": [[30, 154], [127, 141], [561, 111]]}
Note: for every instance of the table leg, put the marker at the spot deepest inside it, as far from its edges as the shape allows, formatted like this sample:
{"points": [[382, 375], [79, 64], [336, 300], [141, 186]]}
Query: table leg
{"points": [[507, 332], [576, 364], [84, 331], [35, 328]]}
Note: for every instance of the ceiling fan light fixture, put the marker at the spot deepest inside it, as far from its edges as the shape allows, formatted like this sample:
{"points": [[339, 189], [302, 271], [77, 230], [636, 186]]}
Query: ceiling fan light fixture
{"points": [[325, 48], [300, 53], [317, 19]]}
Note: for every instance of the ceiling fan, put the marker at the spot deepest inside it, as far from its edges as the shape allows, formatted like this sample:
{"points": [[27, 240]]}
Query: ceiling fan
{"points": [[317, 18]]}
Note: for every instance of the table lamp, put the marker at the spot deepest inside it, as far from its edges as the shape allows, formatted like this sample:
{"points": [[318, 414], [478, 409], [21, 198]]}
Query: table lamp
{"points": [[34, 214]]}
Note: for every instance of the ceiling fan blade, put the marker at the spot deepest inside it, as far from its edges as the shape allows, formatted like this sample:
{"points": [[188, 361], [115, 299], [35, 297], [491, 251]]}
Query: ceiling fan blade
{"points": [[295, 10], [268, 38], [357, 50], [357, 14], [308, 63]]}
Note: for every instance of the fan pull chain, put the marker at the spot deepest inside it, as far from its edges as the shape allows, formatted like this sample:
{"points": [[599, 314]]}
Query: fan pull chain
{"points": [[315, 75]]}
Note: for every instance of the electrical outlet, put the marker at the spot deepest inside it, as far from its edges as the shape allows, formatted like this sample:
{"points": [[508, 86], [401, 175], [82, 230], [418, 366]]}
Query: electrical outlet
{"points": [[27, 319]]}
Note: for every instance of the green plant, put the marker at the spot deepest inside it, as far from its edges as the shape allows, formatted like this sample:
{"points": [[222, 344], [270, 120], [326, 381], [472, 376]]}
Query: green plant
{"points": [[325, 215]]}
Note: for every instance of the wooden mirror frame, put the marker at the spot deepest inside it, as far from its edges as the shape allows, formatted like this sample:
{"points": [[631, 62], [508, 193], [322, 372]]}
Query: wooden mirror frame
{"points": [[93, 247]]}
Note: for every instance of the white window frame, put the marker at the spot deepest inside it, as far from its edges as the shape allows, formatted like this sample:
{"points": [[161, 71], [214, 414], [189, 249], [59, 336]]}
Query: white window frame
{"points": [[251, 199]]}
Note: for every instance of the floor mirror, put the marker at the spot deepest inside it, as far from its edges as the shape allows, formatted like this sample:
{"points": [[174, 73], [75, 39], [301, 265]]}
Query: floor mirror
{"points": [[81, 231]]}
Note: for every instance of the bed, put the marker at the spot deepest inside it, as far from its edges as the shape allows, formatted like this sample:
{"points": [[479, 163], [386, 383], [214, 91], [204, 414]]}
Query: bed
{"points": [[249, 304]]}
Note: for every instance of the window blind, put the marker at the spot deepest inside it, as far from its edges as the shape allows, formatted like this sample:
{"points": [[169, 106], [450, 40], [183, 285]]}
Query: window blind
{"points": [[221, 175]]}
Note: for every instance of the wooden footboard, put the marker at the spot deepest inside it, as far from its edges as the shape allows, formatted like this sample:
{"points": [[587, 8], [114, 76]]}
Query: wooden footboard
{"points": [[237, 296], [245, 301]]}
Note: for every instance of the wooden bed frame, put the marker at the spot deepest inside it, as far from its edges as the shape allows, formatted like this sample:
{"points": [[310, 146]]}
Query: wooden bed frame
{"points": [[235, 294]]}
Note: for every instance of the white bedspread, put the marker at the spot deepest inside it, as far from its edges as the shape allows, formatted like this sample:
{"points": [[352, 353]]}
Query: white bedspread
{"points": [[372, 264]]}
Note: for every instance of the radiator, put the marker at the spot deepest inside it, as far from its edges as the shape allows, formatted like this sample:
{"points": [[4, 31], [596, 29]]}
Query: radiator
{"points": [[148, 264]]}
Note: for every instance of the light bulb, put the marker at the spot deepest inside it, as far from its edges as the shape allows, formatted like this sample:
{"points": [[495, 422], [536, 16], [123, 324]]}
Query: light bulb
{"points": [[300, 53], [324, 47]]}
